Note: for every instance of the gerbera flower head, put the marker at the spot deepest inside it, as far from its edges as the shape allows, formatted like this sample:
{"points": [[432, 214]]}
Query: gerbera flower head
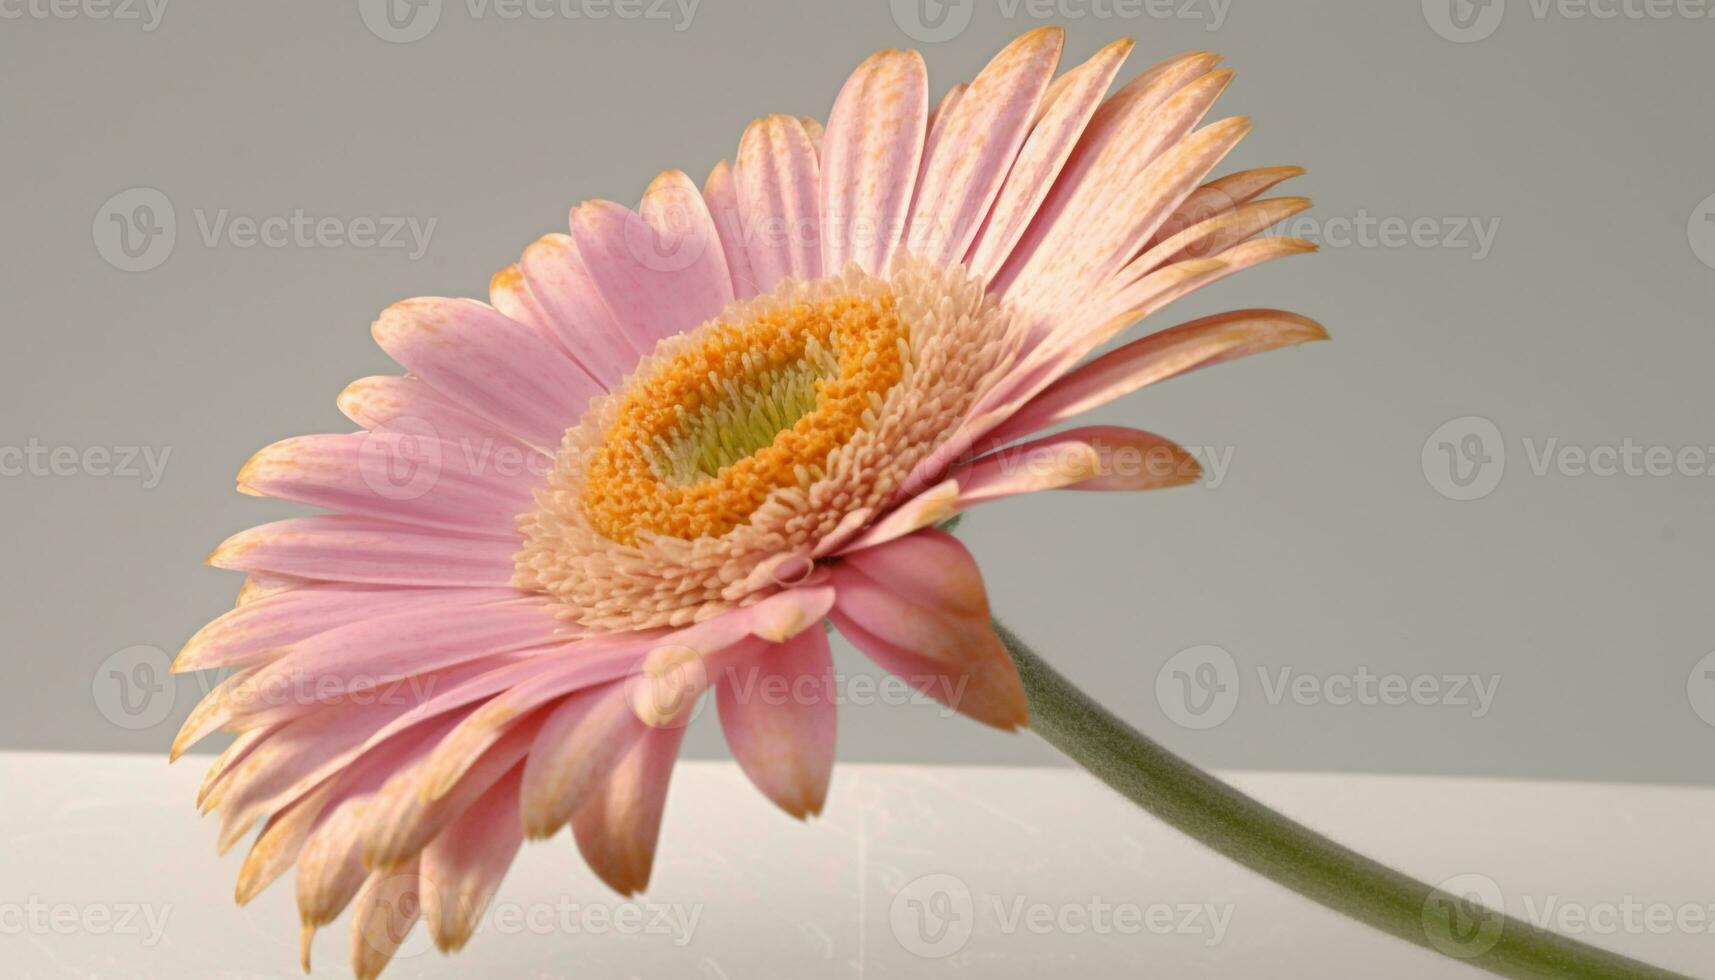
{"points": [[677, 441]]}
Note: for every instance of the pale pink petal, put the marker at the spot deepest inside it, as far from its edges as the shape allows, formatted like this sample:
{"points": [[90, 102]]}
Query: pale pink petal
{"points": [[410, 477], [1100, 457], [777, 174], [777, 707], [980, 137], [330, 868], [618, 827], [1066, 109], [870, 157], [662, 272], [402, 820], [385, 910], [462, 867], [721, 193], [579, 743], [1220, 195], [408, 405], [261, 630], [495, 367], [1216, 234], [1108, 153], [340, 548], [932, 506], [560, 284], [917, 606], [211, 714], [1157, 357], [381, 651], [261, 585]]}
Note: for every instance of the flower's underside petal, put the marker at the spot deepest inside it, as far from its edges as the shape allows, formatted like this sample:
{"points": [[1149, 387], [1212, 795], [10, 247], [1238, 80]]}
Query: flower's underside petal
{"points": [[777, 175], [386, 909], [493, 366], [974, 142], [917, 607], [340, 548], [330, 868], [410, 477], [560, 284], [618, 827], [1100, 457], [777, 707], [661, 272], [580, 741], [259, 631], [462, 867], [1066, 109], [1216, 234], [932, 506], [721, 193], [870, 158], [1220, 195], [1200, 343]]}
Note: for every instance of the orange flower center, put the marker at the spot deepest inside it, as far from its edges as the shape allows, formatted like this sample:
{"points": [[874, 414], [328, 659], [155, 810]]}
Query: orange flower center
{"points": [[698, 445]]}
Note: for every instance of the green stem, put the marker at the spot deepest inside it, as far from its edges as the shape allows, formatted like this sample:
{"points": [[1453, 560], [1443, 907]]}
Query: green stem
{"points": [[1291, 854]]}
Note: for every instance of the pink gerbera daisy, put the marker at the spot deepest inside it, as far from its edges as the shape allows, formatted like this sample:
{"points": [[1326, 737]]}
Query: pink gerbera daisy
{"points": [[677, 441]]}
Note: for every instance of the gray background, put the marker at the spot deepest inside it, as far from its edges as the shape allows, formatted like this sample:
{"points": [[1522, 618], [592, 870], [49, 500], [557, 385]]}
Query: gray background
{"points": [[1327, 549]]}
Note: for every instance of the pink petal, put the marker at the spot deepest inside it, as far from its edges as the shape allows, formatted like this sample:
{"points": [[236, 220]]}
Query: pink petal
{"points": [[617, 829], [259, 631], [661, 272], [1216, 234], [387, 908], [1222, 194], [870, 157], [1065, 111], [341, 548], [1107, 154], [462, 867], [381, 651], [330, 868], [409, 476], [980, 137], [777, 707], [579, 743], [721, 193], [560, 284], [495, 367], [1100, 457], [917, 607], [1166, 354], [396, 404], [777, 176]]}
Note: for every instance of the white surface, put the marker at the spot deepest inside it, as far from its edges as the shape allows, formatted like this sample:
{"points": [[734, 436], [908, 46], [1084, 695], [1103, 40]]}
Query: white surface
{"points": [[102, 849]]}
